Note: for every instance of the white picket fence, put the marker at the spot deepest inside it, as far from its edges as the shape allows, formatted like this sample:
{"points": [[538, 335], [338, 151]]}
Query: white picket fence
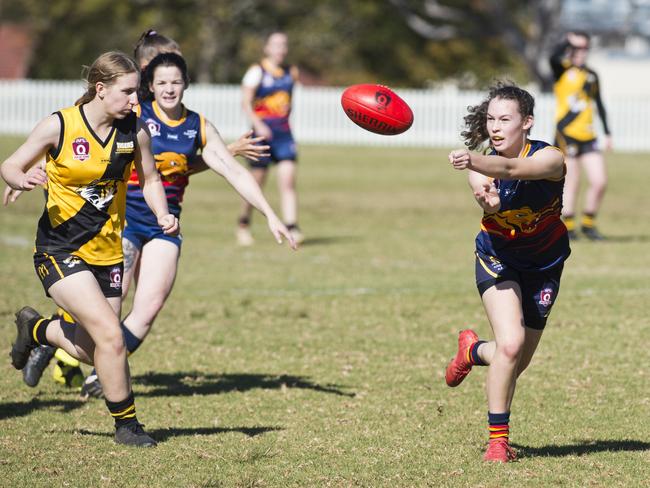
{"points": [[319, 119]]}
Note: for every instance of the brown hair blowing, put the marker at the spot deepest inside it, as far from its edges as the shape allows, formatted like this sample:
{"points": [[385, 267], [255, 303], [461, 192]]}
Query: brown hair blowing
{"points": [[106, 69], [475, 133]]}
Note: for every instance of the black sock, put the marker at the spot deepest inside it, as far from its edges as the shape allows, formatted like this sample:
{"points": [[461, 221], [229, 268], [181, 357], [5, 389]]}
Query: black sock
{"points": [[123, 412], [39, 331], [244, 221], [292, 226]]}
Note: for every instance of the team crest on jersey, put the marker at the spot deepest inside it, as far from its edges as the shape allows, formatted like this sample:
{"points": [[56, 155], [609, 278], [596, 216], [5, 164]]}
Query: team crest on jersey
{"points": [[99, 193], [80, 149], [154, 127], [546, 297], [116, 277]]}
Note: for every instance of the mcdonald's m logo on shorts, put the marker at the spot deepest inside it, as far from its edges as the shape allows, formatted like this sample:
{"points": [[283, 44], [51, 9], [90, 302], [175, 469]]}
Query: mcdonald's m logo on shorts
{"points": [[43, 271]]}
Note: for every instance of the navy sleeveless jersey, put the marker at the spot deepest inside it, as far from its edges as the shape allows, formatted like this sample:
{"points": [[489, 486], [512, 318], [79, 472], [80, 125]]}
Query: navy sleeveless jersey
{"points": [[527, 232], [174, 146]]}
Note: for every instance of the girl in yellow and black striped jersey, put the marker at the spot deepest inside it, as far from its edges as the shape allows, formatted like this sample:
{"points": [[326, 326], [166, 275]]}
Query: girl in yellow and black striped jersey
{"points": [[577, 92], [89, 149]]}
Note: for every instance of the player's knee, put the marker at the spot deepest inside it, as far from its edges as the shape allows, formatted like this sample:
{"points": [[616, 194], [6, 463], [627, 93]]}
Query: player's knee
{"points": [[111, 341], [511, 349]]}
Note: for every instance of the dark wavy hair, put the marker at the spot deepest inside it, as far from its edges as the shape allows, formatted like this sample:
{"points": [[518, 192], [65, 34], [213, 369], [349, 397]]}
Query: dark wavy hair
{"points": [[476, 120], [164, 59]]}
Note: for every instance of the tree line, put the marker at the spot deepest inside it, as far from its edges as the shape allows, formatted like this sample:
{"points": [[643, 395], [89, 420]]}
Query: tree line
{"points": [[405, 43]]}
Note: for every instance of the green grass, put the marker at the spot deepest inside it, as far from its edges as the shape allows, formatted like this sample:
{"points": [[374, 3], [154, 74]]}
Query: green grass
{"points": [[324, 367]]}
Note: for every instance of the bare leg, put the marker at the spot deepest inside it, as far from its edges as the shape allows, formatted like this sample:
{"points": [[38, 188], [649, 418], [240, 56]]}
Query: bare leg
{"points": [[596, 171], [81, 296], [532, 337], [287, 186], [502, 304], [131, 264], [158, 265]]}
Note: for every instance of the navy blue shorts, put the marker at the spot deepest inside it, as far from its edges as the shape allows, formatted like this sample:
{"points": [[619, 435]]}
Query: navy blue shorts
{"points": [[539, 289], [283, 147], [142, 225]]}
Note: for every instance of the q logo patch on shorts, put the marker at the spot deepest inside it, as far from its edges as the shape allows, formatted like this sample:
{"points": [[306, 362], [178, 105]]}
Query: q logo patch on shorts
{"points": [[546, 297], [116, 277]]}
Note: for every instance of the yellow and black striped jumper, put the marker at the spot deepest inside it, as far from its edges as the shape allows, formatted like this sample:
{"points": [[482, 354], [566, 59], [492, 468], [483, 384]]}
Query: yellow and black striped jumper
{"points": [[577, 93], [81, 226]]}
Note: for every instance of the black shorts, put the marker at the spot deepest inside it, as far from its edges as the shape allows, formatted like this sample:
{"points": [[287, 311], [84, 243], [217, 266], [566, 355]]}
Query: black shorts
{"points": [[52, 268], [573, 148], [539, 289]]}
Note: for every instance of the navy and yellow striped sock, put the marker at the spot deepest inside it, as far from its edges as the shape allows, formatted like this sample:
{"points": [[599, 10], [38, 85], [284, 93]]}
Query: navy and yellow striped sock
{"points": [[498, 425], [123, 412], [130, 339], [39, 331], [472, 354], [589, 220], [569, 222]]}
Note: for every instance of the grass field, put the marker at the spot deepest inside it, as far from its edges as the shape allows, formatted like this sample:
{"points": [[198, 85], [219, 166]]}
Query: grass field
{"points": [[324, 367]]}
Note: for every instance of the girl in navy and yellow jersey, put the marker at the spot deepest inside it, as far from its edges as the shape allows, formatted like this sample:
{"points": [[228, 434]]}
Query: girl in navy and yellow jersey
{"points": [[520, 249], [78, 257], [267, 89], [577, 93]]}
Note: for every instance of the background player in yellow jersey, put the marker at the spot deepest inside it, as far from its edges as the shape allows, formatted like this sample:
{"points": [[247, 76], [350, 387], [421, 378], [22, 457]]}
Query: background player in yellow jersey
{"points": [[577, 92], [90, 148]]}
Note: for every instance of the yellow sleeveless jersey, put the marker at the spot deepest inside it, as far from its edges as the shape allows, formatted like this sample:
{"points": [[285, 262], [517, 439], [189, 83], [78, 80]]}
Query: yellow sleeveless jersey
{"points": [[86, 191], [575, 91]]}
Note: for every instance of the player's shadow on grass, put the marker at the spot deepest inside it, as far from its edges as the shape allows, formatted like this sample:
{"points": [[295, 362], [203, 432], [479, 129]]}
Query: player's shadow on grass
{"points": [[326, 240], [582, 448], [162, 435], [20, 409], [186, 383], [622, 238]]}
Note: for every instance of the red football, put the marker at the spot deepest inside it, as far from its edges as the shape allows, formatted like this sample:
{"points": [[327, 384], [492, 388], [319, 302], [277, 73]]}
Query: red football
{"points": [[377, 108]]}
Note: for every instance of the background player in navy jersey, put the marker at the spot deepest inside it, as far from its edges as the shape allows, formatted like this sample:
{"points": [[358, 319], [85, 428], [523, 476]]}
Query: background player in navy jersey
{"points": [[520, 249], [266, 97], [577, 92]]}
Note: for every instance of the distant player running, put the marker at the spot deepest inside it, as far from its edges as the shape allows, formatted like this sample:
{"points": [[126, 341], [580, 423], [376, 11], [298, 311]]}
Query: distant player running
{"points": [[266, 96], [520, 250], [577, 90]]}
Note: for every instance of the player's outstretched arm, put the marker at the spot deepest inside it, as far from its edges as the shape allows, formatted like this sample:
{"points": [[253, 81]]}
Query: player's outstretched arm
{"points": [[547, 163], [20, 170], [217, 157], [152, 189], [246, 146]]}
